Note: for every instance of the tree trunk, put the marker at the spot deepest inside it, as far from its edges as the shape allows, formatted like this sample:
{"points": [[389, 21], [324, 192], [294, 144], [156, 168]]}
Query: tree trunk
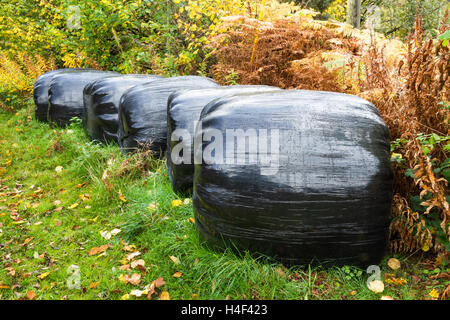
{"points": [[354, 13]]}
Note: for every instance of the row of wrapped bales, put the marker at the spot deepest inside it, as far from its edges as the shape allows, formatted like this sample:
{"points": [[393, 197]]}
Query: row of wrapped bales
{"points": [[297, 175]]}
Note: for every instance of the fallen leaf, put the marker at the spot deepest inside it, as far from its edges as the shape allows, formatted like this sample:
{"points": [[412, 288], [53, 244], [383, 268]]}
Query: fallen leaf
{"points": [[44, 275], [177, 275], [174, 259], [125, 297], [138, 264], [434, 294], [177, 203], [158, 282], [376, 286], [59, 169], [394, 264], [31, 295], [93, 285], [386, 298], [76, 204], [164, 296], [133, 255], [125, 267], [97, 250]]}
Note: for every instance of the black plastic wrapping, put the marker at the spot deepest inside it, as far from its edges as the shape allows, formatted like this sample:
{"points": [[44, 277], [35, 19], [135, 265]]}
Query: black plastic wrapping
{"points": [[183, 110], [328, 199], [65, 94], [143, 112], [40, 91], [101, 103]]}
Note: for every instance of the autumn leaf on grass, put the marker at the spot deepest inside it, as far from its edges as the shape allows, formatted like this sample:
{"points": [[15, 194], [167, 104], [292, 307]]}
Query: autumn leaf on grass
{"points": [[434, 294], [138, 264], [177, 275], [31, 295], [376, 286], [76, 204], [121, 197], [97, 250], [125, 267], [394, 264], [174, 259], [93, 285], [129, 248], [44, 275], [164, 296], [177, 203], [108, 234], [58, 169], [155, 284], [133, 255], [135, 278]]}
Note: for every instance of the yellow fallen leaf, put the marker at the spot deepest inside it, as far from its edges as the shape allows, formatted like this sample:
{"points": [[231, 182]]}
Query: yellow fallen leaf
{"points": [[425, 247], [164, 296], [93, 285], [177, 203], [394, 264], [125, 297], [74, 205], [191, 220], [44, 275], [434, 294], [177, 275]]}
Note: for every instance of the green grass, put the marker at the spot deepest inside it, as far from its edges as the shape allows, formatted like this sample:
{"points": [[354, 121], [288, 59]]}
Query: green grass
{"points": [[39, 241]]}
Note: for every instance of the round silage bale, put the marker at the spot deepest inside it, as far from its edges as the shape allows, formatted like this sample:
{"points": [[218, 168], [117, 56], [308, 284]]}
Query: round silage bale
{"points": [[143, 112], [40, 91], [183, 111], [65, 94], [101, 103], [300, 176]]}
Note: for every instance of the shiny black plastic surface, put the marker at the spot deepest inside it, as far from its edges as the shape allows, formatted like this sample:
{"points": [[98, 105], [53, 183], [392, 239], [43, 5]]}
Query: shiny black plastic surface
{"points": [[329, 198], [101, 103], [183, 110], [143, 112], [40, 91], [65, 94]]}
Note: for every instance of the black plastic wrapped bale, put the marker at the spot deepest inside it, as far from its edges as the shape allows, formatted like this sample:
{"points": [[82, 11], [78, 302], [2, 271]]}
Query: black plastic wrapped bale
{"points": [[40, 91], [143, 112], [65, 94], [183, 111], [101, 103], [308, 178]]}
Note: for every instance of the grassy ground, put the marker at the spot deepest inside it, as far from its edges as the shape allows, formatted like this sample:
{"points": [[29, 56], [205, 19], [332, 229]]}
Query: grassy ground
{"points": [[59, 192]]}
